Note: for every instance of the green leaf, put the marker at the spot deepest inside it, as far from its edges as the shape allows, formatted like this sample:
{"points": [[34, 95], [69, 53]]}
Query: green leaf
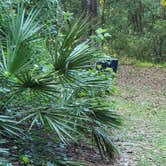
{"points": [[101, 31], [22, 32]]}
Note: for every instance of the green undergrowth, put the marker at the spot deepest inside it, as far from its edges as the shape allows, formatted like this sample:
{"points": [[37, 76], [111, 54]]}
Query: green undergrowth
{"points": [[149, 64], [137, 63]]}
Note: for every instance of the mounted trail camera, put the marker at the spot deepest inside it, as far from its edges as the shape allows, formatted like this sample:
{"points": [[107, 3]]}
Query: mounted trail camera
{"points": [[111, 63]]}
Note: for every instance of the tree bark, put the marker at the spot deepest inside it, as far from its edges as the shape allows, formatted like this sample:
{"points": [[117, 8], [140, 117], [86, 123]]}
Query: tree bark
{"points": [[91, 7]]}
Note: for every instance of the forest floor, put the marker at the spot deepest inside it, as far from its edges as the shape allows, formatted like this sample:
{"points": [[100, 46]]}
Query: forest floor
{"points": [[142, 102]]}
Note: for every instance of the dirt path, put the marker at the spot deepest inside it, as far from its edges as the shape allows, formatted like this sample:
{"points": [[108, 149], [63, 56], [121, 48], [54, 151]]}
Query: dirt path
{"points": [[142, 102], [143, 84]]}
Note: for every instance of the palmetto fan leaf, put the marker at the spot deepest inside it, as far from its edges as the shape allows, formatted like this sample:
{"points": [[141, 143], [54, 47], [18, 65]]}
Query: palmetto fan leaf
{"points": [[103, 115], [22, 32], [3, 152], [71, 53], [22, 28], [17, 58], [104, 143], [75, 33], [8, 126], [78, 58], [59, 120], [42, 84]]}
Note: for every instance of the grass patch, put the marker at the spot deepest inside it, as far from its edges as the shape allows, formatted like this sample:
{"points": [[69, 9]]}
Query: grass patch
{"points": [[149, 64], [137, 63]]}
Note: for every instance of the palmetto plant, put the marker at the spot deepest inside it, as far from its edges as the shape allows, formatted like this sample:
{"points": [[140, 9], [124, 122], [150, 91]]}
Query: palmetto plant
{"points": [[20, 36], [7, 126], [51, 100]]}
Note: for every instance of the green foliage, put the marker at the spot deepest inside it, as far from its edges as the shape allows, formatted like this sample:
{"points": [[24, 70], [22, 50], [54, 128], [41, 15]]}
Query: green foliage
{"points": [[7, 126], [20, 36], [138, 30], [50, 89]]}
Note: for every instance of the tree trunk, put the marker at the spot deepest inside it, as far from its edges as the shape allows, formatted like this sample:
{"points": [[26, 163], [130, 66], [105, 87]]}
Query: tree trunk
{"points": [[103, 13], [86, 6], [136, 14], [91, 7], [95, 8]]}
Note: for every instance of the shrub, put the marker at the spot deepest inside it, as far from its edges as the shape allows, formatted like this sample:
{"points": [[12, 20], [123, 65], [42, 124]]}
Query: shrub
{"points": [[42, 82]]}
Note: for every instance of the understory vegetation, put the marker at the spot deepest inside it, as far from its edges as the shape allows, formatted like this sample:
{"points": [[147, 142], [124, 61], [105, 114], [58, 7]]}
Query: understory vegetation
{"points": [[57, 87], [51, 93]]}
